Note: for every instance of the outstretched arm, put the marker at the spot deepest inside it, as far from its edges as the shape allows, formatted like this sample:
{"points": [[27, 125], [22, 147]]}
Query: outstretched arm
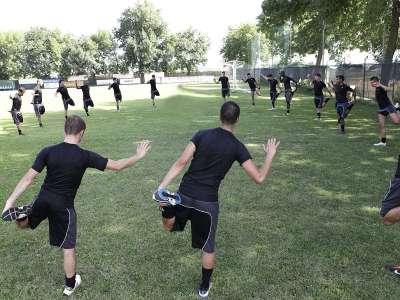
{"points": [[118, 165], [259, 174], [179, 165], [21, 187]]}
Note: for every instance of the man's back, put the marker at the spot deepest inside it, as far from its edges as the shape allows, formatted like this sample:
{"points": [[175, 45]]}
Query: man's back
{"points": [[216, 150], [66, 164]]}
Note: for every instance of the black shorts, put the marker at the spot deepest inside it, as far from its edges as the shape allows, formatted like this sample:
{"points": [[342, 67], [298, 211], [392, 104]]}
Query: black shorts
{"points": [[67, 102], [288, 96], [61, 216], [387, 110], [203, 217], [88, 102], [118, 97], [318, 101], [225, 92], [36, 109], [17, 117], [342, 108], [392, 197], [273, 96]]}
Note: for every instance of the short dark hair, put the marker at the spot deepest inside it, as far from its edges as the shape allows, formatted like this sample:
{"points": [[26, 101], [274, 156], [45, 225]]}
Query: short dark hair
{"points": [[317, 74], [230, 112], [269, 75], [21, 90], [340, 77], [153, 75], [74, 125], [248, 74], [374, 78]]}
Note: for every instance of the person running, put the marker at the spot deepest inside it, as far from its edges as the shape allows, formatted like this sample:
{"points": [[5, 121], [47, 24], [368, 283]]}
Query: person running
{"points": [[225, 86], [252, 82], [212, 153], [273, 83], [153, 90], [319, 99], [343, 105], [87, 100], [286, 80], [385, 109], [117, 91], [15, 111], [66, 164], [37, 101], [67, 100]]}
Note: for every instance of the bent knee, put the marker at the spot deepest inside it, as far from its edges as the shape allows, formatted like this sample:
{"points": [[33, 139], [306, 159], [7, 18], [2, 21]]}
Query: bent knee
{"points": [[388, 221], [168, 224], [24, 224]]}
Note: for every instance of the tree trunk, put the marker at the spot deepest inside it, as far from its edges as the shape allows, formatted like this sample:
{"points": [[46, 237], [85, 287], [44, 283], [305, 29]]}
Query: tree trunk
{"points": [[142, 77], [321, 48], [391, 44], [319, 55]]}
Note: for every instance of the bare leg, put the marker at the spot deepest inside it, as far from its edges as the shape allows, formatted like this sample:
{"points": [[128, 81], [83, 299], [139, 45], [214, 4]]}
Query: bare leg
{"points": [[66, 113], [382, 127], [69, 262], [40, 120], [392, 217], [252, 98], [168, 224], [117, 105], [208, 260], [395, 118], [23, 224]]}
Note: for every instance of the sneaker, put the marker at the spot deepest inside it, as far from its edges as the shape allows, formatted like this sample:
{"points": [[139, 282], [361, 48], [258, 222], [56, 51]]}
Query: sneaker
{"points": [[69, 291], [203, 291], [165, 197], [397, 105], [380, 144], [272, 108], [393, 269], [317, 119], [16, 213]]}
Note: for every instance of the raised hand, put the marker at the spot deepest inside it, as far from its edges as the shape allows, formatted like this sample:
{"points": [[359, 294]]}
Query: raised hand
{"points": [[143, 148], [271, 147]]}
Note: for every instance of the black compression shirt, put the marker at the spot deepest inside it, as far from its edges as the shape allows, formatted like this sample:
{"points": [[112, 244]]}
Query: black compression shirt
{"points": [[64, 92], [115, 87], [319, 87], [382, 97], [224, 82], [85, 91]]}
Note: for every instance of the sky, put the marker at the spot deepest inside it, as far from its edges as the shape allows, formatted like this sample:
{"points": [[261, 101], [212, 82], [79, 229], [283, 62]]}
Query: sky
{"points": [[84, 17]]}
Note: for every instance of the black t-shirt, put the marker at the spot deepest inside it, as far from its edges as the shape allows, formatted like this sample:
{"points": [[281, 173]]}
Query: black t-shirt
{"points": [[115, 87], [37, 97], [341, 92], [286, 82], [382, 97], [66, 164], [64, 92], [16, 102], [319, 87], [224, 82], [85, 91], [272, 84], [153, 84], [216, 150], [252, 83]]}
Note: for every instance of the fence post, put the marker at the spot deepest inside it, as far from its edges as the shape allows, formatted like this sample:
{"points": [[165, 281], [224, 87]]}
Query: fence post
{"points": [[394, 77], [364, 73]]}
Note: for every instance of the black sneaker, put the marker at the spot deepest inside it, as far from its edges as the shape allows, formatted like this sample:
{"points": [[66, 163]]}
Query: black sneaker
{"points": [[394, 269], [203, 291], [165, 197], [16, 213]]}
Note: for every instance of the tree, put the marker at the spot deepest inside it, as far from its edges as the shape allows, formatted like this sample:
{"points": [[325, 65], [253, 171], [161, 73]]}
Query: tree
{"points": [[41, 52], [106, 56], [139, 33], [239, 41], [191, 49], [165, 60], [10, 55]]}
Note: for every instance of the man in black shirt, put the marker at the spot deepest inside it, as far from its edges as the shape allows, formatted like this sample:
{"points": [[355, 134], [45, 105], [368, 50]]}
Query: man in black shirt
{"points": [[66, 164], [286, 80], [212, 153], [153, 90], [117, 91], [319, 98], [251, 81], [385, 108], [273, 83], [87, 100], [225, 87], [343, 105], [37, 101], [15, 111], [65, 97]]}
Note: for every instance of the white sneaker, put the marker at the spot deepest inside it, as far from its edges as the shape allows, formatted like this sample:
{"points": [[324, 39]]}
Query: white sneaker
{"points": [[272, 108], [380, 144], [202, 292], [397, 105], [69, 291]]}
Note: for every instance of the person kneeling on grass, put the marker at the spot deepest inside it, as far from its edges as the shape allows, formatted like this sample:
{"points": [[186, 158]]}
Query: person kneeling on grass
{"points": [[386, 108], [212, 153], [66, 164]]}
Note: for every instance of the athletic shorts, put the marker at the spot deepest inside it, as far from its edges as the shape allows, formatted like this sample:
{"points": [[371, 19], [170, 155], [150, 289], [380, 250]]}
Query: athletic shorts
{"points": [[288, 96], [225, 92], [67, 102], [17, 117], [318, 101], [273, 96], [203, 218], [392, 197], [342, 107], [118, 97], [36, 109], [61, 216], [387, 110], [88, 102], [253, 91]]}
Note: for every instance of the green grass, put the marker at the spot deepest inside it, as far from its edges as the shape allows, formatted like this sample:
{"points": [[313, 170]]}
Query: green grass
{"points": [[311, 231]]}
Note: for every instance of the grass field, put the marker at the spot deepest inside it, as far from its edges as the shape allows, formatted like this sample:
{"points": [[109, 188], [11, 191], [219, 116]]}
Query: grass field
{"points": [[311, 231]]}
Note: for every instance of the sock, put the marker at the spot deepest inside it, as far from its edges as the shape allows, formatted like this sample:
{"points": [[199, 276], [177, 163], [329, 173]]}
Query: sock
{"points": [[206, 278], [66, 117], [398, 169], [342, 127], [70, 282], [383, 140], [40, 124], [319, 115], [19, 131], [168, 212]]}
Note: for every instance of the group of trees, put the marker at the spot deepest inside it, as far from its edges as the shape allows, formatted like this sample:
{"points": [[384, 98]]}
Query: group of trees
{"points": [[317, 26], [140, 43]]}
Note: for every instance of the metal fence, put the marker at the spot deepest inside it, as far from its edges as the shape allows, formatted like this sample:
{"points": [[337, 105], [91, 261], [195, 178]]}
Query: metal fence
{"points": [[356, 75]]}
